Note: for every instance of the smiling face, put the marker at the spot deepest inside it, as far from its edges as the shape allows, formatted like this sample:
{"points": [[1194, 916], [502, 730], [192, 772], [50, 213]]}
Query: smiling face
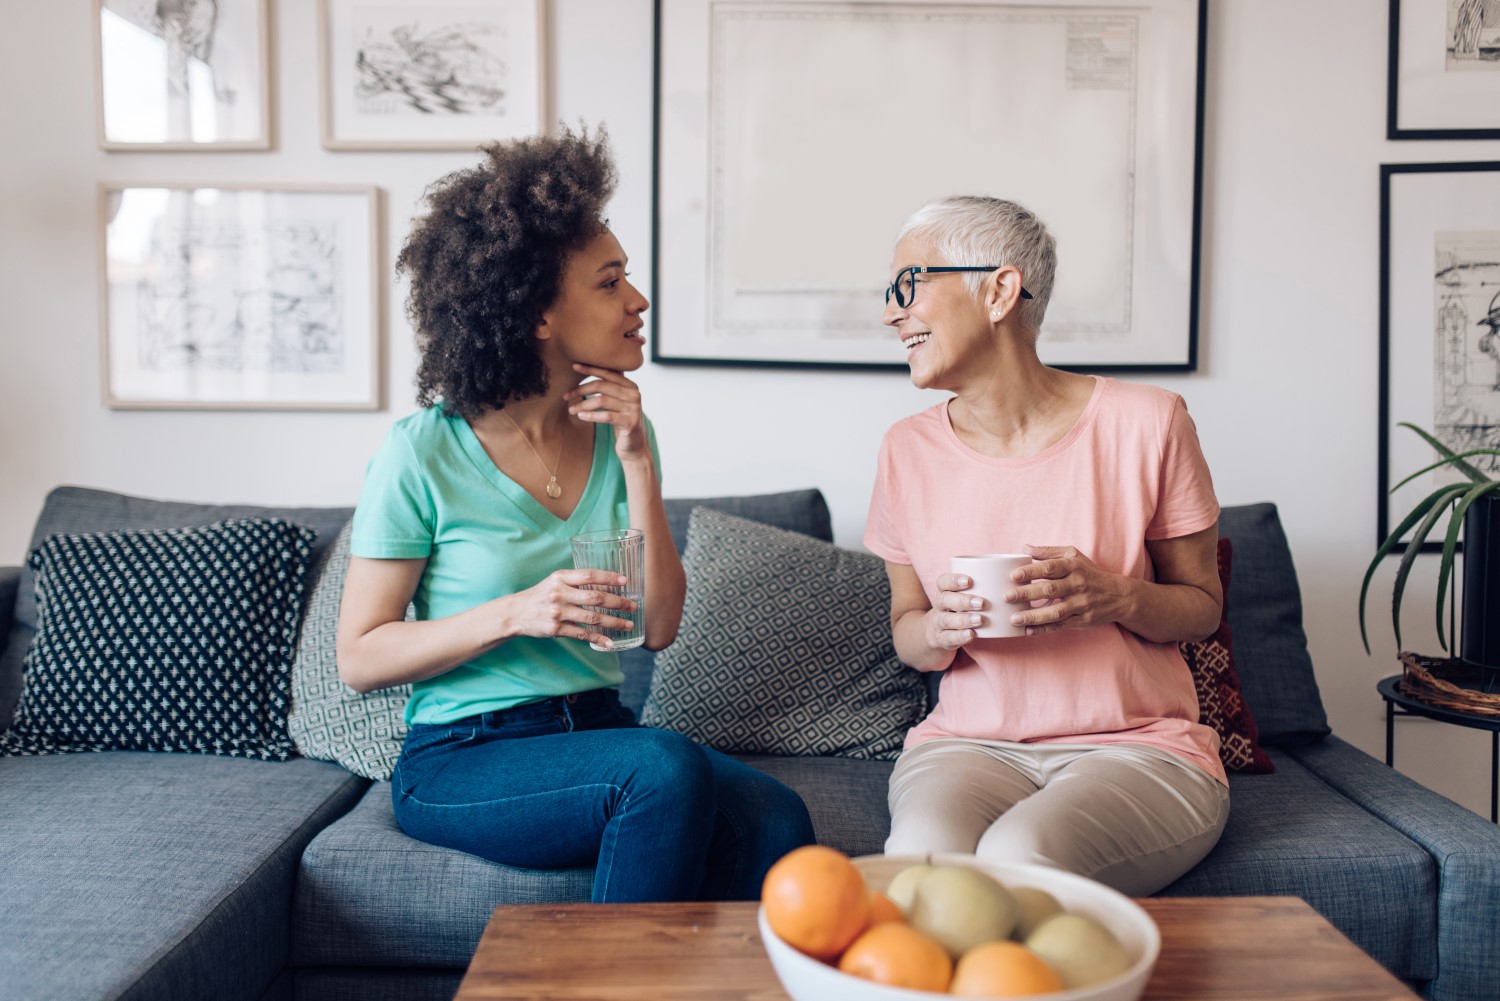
{"points": [[596, 318], [944, 329]]}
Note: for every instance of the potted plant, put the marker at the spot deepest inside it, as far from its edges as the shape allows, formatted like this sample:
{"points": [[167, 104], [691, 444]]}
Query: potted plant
{"points": [[1472, 506]]}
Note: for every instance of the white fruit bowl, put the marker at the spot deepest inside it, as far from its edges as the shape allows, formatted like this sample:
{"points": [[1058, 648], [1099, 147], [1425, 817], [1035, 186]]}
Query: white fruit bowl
{"points": [[807, 979]]}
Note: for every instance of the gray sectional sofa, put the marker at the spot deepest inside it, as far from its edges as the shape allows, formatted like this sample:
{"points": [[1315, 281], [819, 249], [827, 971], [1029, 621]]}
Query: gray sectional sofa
{"points": [[183, 877]]}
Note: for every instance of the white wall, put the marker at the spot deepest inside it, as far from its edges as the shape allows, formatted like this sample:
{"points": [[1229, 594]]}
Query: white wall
{"points": [[1285, 398]]}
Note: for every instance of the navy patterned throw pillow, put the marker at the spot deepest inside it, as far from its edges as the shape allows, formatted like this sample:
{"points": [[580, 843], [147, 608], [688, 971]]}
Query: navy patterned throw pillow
{"points": [[785, 648], [175, 640]]}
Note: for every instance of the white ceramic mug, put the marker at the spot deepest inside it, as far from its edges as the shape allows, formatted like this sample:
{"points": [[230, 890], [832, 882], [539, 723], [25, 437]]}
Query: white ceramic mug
{"points": [[989, 575]]}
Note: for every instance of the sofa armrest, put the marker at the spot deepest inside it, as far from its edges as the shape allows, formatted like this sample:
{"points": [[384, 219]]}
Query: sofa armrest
{"points": [[1465, 850], [10, 585]]}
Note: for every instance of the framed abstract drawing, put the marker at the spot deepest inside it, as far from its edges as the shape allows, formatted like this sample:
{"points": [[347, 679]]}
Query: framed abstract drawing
{"points": [[1443, 77], [788, 155], [189, 75], [229, 297], [410, 74], [1439, 323]]}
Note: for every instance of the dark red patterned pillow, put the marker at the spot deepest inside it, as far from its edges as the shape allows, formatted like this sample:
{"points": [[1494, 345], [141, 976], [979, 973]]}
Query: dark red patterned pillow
{"points": [[1221, 705]]}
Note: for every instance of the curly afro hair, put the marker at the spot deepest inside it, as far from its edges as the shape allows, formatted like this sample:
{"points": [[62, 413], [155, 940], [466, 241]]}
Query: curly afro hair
{"points": [[487, 260]]}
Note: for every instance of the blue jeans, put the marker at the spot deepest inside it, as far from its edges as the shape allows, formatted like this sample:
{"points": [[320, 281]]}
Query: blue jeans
{"points": [[575, 781]]}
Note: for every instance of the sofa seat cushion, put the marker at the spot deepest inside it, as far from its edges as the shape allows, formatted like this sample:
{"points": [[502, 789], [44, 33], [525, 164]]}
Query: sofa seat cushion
{"points": [[845, 797], [154, 876], [1290, 834], [370, 895]]}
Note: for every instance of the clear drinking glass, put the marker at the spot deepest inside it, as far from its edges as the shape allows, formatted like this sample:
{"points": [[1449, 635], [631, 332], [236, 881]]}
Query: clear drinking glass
{"points": [[622, 551]]}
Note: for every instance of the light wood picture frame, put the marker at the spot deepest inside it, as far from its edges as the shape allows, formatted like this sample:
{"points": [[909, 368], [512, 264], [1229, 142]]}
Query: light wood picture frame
{"points": [[787, 156], [190, 76], [409, 75], [241, 297]]}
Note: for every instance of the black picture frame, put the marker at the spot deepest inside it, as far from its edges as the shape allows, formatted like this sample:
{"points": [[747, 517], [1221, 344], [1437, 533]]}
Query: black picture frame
{"points": [[1408, 235], [667, 307], [1457, 90]]}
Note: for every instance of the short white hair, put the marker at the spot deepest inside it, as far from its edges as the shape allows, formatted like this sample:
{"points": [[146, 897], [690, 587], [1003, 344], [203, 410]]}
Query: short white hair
{"points": [[974, 229]]}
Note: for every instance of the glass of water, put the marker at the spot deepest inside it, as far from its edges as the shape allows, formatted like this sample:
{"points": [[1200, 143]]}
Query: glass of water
{"points": [[621, 551]]}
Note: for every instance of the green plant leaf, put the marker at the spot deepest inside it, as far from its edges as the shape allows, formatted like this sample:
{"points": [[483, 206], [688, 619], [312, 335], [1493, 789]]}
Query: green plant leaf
{"points": [[1445, 462], [1447, 453], [1413, 549], [1449, 492], [1450, 544]]}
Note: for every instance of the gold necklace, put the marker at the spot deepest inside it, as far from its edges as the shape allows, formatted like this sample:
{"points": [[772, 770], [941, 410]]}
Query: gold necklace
{"points": [[553, 490]]}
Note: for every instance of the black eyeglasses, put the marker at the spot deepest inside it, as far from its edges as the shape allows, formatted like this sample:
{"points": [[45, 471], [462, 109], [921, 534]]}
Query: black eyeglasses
{"points": [[904, 288]]}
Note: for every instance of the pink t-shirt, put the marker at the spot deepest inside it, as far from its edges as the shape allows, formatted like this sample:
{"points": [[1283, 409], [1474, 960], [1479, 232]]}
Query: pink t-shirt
{"points": [[1129, 470]]}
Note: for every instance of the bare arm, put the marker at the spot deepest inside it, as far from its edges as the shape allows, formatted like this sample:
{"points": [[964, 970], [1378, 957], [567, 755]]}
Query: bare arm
{"points": [[1183, 603], [614, 399], [377, 648]]}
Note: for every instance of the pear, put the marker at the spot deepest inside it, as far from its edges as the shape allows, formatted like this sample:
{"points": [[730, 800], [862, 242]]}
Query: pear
{"points": [[961, 908], [1036, 906], [904, 887], [1079, 949]]}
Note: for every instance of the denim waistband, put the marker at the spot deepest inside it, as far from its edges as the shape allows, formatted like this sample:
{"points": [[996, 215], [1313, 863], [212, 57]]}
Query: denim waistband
{"points": [[565, 706]]}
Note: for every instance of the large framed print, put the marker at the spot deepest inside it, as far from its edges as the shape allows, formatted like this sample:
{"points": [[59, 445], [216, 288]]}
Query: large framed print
{"points": [[189, 75], [229, 297], [430, 74], [1443, 77], [1439, 323], [793, 137]]}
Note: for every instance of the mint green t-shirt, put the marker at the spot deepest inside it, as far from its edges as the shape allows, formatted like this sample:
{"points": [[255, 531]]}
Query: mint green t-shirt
{"points": [[432, 492]]}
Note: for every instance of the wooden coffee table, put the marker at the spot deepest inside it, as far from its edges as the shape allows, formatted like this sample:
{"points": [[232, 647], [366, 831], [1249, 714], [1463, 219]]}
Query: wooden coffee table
{"points": [[1212, 947]]}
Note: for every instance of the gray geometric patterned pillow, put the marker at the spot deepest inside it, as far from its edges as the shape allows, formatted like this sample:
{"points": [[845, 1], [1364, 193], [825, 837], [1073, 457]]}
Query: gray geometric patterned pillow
{"points": [[172, 640], [785, 648], [329, 720]]}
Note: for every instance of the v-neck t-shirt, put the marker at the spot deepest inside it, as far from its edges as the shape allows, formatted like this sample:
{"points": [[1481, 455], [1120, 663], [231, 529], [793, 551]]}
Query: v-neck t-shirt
{"points": [[1129, 471], [432, 492]]}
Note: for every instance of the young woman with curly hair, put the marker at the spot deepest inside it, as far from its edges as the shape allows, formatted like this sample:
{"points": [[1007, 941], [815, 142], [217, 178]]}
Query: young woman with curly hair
{"points": [[519, 750]]}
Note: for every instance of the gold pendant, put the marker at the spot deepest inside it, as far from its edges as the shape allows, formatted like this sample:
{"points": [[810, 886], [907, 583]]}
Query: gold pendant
{"points": [[553, 490]]}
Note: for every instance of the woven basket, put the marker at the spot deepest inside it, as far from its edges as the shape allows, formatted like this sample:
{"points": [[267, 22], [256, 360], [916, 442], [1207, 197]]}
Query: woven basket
{"points": [[1449, 684]]}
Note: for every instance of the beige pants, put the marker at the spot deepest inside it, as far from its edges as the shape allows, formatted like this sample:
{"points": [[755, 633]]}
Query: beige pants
{"points": [[1131, 816]]}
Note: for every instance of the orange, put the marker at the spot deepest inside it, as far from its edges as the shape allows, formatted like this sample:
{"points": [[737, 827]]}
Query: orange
{"points": [[883, 908], [896, 954], [816, 900], [1003, 970]]}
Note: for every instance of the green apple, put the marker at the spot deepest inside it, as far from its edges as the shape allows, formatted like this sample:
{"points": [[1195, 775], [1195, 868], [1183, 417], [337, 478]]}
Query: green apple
{"points": [[904, 887], [1036, 906], [962, 907], [1080, 949]]}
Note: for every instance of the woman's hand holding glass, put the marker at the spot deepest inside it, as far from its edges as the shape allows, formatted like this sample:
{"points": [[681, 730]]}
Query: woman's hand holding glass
{"points": [[560, 606], [1078, 594]]}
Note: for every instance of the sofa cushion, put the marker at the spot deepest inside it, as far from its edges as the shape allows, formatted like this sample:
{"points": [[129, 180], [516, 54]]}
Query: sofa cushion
{"points": [[802, 511], [171, 640], [368, 894], [329, 720], [845, 797], [784, 648], [80, 509], [153, 877], [1290, 834], [1221, 704], [1270, 648]]}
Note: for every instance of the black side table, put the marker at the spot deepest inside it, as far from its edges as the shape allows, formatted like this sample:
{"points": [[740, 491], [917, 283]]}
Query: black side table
{"points": [[1415, 707]]}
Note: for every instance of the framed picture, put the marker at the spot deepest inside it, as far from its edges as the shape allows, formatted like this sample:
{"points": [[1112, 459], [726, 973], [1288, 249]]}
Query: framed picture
{"points": [[231, 297], [416, 74], [1443, 80], [794, 137], [1439, 323], [189, 75]]}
